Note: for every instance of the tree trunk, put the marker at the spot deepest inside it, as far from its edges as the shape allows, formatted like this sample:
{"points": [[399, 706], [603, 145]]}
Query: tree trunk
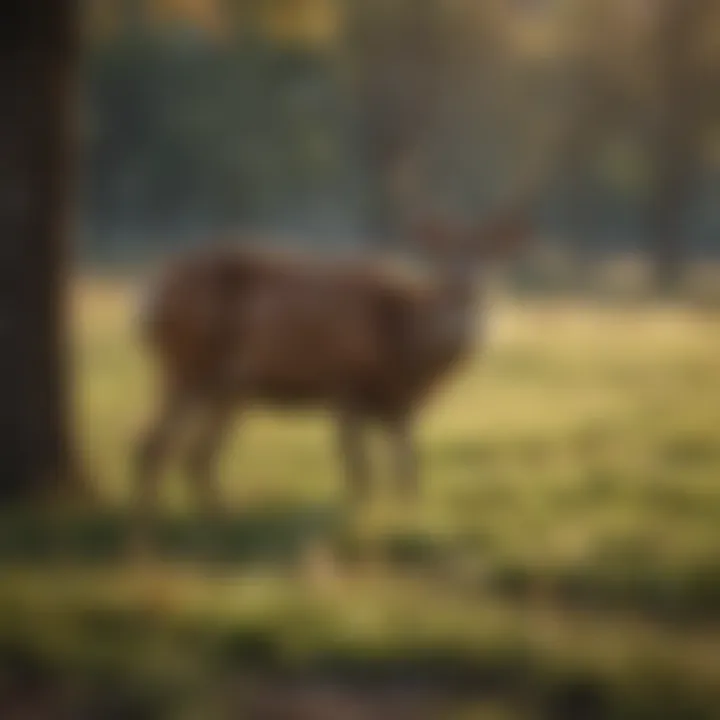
{"points": [[671, 191], [39, 46], [674, 148], [398, 63]]}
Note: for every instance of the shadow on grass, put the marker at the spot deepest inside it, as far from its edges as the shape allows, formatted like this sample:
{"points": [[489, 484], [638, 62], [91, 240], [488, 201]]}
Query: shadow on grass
{"points": [[247, 672], [273, 534], [110, 659], [607, 580]]}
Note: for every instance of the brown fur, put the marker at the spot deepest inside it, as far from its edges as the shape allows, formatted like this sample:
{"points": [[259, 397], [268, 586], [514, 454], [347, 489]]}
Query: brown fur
{"points": [[366, 340]]}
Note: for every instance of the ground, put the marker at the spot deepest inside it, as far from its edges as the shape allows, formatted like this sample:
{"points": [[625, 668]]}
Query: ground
{"points": [[562, 562]]}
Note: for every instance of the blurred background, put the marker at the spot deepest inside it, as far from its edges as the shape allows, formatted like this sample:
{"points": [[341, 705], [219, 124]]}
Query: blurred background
{"points": [[307, 116], [564, 560]]}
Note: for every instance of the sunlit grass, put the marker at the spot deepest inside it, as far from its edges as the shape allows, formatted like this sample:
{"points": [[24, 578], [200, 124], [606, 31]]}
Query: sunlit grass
{"points": [[568, 534]]}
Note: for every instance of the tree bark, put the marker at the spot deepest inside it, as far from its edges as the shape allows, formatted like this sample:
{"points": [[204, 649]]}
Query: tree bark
{"points": [[39, 50], [399, 64], [670, 195], [676, 127]]}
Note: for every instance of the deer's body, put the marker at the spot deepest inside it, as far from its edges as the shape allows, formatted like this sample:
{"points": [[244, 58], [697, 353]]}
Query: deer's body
{"points": [[284, 331], [365, 340]]}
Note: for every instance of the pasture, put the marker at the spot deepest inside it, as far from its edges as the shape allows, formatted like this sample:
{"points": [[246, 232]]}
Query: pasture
{"points": [[563, 561]]}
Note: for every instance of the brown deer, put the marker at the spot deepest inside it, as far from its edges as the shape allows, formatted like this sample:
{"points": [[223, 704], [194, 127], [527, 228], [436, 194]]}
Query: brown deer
{"points": [[232, 327]]}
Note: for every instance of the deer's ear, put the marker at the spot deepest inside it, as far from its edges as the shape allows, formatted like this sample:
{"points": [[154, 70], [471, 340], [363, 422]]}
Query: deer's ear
{"points": [[504, 235]]}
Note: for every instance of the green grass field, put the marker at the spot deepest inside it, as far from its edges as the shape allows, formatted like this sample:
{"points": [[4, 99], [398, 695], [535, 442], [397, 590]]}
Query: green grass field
{"points": [[563, 562]]}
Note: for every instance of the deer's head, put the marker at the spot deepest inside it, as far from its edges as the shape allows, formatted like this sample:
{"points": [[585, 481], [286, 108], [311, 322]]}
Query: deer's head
{"points": [[460, 254]]}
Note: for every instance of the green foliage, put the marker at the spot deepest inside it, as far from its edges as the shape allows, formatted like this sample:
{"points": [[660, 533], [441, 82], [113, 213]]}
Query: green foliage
{"points": [[187, 136], [192, 131]]}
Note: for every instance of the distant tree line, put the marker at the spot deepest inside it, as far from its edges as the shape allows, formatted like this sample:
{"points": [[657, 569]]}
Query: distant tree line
{"points": [[191, 133], [187, 136]]}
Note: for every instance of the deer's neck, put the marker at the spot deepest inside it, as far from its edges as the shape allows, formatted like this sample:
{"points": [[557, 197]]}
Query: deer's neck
{"points": [[450, 325]]}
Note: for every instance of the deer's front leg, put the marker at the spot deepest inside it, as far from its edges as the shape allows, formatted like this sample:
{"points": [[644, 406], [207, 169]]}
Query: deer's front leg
{"points": [[152, 449], [202, 460], [354, 454], [405, 457]]}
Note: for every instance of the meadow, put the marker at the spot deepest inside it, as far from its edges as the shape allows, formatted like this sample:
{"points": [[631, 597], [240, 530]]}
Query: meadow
{"points": [[562, 562]]}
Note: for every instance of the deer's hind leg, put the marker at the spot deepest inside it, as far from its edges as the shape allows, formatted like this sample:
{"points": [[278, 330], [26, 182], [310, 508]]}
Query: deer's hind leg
{"points": [[154, 447], [353, 449], [204, 452], [405, 457]]}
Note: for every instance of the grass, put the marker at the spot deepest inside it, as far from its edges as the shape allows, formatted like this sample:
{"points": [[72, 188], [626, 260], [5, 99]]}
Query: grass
{"points": [[563, 562]]}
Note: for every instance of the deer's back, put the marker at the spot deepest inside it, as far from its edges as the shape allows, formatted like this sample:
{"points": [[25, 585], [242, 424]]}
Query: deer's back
{"points": [[288, 329]]}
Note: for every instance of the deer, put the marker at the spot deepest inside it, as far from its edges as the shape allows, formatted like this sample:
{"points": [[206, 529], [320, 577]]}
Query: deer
{"points": [[233, 326]]}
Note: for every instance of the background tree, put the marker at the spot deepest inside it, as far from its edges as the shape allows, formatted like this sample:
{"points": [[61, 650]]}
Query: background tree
{"points": [[687, 77], [420, 73], [36, 85], [304, 116]]}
